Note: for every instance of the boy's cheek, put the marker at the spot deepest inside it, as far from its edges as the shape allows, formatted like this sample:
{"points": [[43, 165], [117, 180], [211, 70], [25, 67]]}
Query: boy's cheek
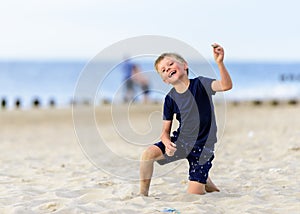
{"points": [[163, 77], [166, 80]]}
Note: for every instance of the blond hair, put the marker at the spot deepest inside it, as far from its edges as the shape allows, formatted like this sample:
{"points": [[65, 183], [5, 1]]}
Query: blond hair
{"points": [[172, 55]]}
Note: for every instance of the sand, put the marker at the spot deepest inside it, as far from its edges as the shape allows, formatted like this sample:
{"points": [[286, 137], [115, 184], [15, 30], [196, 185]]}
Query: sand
{"points": [[44, 170]]}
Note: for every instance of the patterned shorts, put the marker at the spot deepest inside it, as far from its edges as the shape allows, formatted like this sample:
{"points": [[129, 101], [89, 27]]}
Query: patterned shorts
{"points": [[199, 158]]}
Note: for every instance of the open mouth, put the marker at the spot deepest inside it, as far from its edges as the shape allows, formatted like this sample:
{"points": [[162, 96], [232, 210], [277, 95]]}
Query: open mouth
{"points": [[171, 74]]}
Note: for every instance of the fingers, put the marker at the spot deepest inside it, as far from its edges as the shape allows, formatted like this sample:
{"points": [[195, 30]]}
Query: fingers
{"points": [[171, 149], [217, 48], [215, 45], [218, 52], [169, 153], [173, 144]]}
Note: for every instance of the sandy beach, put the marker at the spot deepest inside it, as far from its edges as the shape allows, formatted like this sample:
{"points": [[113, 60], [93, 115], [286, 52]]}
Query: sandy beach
{"points": [[44, 170]]}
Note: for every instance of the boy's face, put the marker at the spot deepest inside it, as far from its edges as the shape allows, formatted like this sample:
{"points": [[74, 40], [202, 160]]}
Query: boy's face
{"points": [[171, 70]]}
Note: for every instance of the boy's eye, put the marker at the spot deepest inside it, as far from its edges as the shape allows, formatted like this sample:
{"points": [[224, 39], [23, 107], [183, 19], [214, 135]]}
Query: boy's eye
{"points": [[171, 63]]}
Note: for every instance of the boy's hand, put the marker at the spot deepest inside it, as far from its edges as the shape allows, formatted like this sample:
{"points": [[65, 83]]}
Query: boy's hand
{"points": [[170, 148], [218, 53]]}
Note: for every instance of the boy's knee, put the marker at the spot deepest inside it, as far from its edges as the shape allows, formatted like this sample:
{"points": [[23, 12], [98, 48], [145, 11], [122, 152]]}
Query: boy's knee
{"points": [[151, 153], [148, 154]]}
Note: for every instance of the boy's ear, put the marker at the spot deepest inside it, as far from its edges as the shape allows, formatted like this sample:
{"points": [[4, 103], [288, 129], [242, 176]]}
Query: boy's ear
{"points": [[185, 65]]}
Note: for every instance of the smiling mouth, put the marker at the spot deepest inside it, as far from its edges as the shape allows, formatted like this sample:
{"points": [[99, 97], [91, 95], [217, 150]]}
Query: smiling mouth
{"points": [[171, 74]]}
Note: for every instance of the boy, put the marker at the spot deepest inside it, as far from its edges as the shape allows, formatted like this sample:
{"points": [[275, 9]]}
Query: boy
{"points": [[191, 101]]}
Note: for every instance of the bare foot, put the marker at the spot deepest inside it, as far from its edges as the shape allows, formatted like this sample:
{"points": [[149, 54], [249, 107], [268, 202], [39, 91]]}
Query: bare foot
{"points": [[142, 194], [210, 186]]}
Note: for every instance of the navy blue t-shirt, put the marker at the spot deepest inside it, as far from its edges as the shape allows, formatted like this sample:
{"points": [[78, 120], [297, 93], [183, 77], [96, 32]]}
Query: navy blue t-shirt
{"points": [[195, 113]]}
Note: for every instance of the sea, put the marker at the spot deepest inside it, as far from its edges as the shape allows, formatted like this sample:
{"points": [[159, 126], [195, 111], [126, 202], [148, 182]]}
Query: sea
{"points": [[25, 84]]}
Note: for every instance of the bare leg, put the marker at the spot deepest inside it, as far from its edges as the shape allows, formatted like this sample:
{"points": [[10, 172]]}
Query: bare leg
{"points": [[199, 188], [210, 186], [146, 99], [151, 154], [196, 188]]}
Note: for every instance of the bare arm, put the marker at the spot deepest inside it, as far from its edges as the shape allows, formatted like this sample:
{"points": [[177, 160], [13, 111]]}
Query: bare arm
{"points": [[225, 83], [166, 139]]}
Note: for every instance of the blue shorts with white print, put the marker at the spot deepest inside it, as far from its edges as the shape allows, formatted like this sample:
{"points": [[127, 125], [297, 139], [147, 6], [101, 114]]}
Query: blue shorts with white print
{"points": [[199, 158]]}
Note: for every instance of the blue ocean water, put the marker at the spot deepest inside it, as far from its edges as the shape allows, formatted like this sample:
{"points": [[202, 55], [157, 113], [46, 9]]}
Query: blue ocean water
{"points": [[265, 81], [56, 81], [45, 81]]}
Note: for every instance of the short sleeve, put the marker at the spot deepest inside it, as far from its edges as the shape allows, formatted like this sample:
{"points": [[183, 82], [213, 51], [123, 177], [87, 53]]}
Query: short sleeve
{"points": [[206, 82], [168, 108]]}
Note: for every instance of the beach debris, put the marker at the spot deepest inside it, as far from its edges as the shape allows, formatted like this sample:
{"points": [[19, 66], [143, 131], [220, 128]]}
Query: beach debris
{"points": [[295, 148], [50, 206], [106, 183], [275, 170], [184, 182], [250, 134], [170, 210]]}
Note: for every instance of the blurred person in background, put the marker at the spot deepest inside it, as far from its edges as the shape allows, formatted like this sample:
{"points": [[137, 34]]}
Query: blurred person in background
{"points": [[134, 79]]}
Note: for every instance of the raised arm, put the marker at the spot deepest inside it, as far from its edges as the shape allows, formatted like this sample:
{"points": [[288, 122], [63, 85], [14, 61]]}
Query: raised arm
{"points": [[225, 83]]}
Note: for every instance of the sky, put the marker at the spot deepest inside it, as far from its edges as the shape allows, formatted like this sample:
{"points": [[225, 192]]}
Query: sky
{"points": [[260, 30]]}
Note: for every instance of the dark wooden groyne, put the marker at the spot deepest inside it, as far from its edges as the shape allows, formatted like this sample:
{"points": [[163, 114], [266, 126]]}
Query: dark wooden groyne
{"points": [[37, 102]]}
